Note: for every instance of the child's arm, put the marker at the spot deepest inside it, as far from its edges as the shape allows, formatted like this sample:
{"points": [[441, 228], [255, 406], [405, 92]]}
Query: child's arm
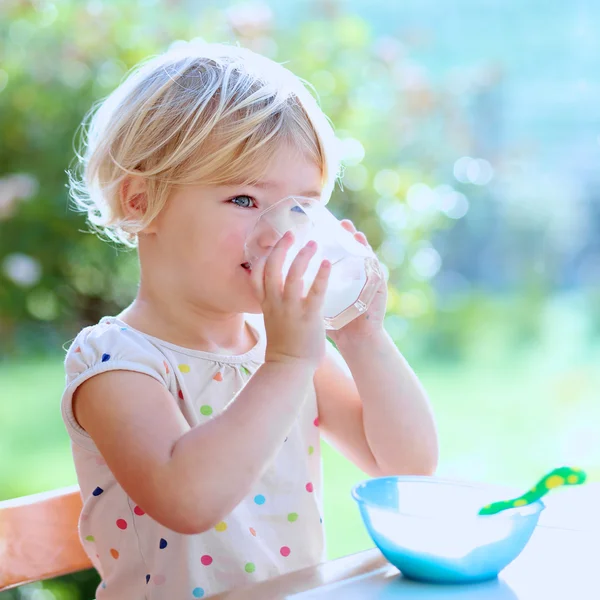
{"points": [[372, 405], [189, 479], [373, 408]]}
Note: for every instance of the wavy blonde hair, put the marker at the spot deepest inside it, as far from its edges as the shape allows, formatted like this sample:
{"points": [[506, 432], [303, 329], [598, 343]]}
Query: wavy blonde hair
{"points": [[199, 113]]}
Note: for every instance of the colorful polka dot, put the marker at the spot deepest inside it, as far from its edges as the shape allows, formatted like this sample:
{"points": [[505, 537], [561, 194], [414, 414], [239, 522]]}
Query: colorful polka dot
{"points": [[246, 371], [121, 523], [222, 526], [78, 349], [320, 519], [90, 538], [218, 376], [572, 479], [284, 551], [316, 422], [184, 368], [309, 487], [147, 579], [253, 531], [250, 568], [139, 511], [97, 491], [310, 450], [198, 592], [166, 366], [114, 553], [292, 517], [206, 560], [259, 499], [162, 544], [105, 357], [520, 502], [206, 410], [159, 579]]}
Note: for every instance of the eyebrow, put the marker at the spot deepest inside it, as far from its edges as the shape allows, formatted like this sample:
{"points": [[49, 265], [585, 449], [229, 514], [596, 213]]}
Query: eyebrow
{"points": [[271, 184]]}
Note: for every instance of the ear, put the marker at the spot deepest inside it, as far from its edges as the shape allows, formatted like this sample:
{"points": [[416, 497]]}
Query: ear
{"points": [[134, 199]]}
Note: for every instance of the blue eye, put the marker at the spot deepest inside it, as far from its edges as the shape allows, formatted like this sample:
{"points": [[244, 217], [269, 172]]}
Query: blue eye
{"points": [[249, 204]]}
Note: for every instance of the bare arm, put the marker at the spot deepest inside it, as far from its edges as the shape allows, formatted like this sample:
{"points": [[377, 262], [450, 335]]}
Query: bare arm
{"points": [[371, 403], [189, 479], [397, 417], [341, 412], [374, 410]]}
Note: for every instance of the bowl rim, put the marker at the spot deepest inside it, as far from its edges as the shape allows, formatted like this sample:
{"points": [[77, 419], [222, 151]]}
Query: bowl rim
{"points": [[536, 507]]}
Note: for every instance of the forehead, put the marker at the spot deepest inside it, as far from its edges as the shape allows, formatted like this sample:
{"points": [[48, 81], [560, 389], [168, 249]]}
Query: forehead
{"points": [[290, 167], [288, 172], [278, 187]]}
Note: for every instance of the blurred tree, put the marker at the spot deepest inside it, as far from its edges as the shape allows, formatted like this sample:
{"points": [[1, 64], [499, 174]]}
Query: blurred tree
{"points": [[58, 58]]}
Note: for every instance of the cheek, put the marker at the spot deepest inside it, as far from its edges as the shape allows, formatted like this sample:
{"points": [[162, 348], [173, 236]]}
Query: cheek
{"points": [[194, 238], [174, 224], [182, 240], [232, 241], [184, 231], [217, 250]]}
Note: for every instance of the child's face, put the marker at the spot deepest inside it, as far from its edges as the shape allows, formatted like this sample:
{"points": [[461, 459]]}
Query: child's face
{"points": [[195, 247]]}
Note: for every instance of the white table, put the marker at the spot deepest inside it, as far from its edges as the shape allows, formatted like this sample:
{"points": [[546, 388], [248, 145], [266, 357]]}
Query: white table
{"points": [[561, 562]]}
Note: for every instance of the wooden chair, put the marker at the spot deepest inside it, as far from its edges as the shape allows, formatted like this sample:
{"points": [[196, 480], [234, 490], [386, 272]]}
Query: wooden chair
{"points": [[39, 537]]}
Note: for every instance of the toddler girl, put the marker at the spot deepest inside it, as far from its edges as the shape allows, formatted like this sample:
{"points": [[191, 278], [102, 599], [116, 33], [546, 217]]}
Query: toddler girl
{"points": [[196, 413]]}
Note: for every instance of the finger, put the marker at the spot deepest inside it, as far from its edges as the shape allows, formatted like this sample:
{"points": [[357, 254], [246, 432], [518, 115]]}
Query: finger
{"points": [[294, 284], [257, 278], [316, 295], [274, 266]]}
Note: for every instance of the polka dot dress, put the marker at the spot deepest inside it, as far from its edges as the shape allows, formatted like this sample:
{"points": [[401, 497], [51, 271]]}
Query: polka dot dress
{"points": [[276, 529]]}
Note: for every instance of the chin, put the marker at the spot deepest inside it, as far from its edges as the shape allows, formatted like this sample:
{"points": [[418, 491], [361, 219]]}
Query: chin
{"points": [[253, 308], [246, 303]]}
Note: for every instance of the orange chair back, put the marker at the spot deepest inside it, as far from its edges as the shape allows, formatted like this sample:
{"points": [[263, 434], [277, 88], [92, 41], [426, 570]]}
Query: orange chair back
{"points": [[39, 537]]}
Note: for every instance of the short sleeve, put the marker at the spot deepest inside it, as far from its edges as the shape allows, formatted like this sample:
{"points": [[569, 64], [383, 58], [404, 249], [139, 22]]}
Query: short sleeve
{"points": [[108, 346]]}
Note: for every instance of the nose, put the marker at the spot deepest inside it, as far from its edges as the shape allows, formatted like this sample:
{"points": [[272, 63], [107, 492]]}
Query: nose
{"points": [[261, 240], [273, 223], [267, 237]]}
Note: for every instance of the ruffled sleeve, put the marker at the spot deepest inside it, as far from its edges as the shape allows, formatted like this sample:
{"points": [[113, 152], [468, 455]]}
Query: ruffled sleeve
{"points": [[108, 346]]}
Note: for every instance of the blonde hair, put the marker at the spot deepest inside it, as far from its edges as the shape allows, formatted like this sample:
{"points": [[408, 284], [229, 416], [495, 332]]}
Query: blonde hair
{"points": [[199, 113]]}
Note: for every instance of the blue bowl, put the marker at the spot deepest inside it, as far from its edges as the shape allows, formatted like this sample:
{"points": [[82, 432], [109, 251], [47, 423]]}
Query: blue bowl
{"points": [[430, 530]]}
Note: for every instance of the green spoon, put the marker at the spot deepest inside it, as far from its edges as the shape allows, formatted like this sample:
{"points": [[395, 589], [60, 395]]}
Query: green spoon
{"points": [[554, 479]]}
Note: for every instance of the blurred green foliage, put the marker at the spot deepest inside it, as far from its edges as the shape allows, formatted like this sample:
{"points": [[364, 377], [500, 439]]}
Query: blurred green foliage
{"points": [[58, 58]]}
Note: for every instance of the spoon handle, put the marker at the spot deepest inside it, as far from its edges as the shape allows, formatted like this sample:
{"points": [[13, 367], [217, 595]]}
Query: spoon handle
{"points": [[554, 479]]}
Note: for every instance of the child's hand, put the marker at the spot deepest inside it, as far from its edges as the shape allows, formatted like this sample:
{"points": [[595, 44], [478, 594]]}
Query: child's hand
{"points": [[371, 322], [294, 324]]}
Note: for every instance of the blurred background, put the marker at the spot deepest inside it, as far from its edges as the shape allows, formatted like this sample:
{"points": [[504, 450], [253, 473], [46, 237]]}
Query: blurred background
{"points": [[472, 142]]}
